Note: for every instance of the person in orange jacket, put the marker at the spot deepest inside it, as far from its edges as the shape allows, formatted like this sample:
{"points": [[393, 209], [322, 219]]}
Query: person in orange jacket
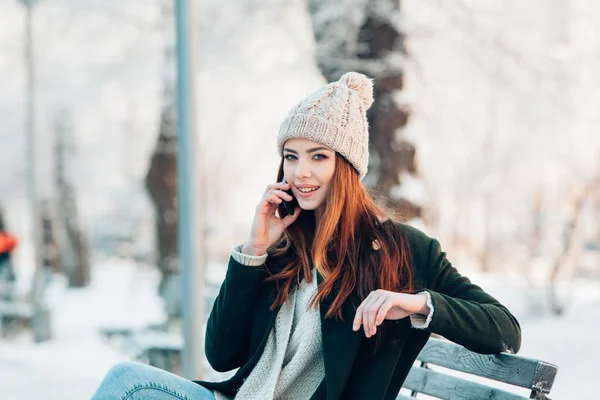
{"points": [[7, 245], [7, 242]]}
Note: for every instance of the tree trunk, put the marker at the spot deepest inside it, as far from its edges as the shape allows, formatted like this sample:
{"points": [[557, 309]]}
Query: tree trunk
{"points": [[51, 250], [486, 255], [161, 178], [76, 260], [566, 261], [537, 221], [364, 36], [161, 182]]}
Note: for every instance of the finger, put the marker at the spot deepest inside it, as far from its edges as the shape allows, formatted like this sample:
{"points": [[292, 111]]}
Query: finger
{"points": [[358, 316], [281, 194], [290, 219], [372, 314], [365, 318], [274, 199], [357, 320], [367, 312], [375, 312], [278, 185], [375, 308], [270, 201], [383, 311]]}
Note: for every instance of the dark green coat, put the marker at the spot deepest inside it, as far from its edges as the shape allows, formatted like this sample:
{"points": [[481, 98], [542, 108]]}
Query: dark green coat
{"points": [[240, 323]]}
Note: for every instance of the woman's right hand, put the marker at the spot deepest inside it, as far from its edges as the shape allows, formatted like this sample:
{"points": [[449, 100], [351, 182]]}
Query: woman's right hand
{"points": [[268, 227]]}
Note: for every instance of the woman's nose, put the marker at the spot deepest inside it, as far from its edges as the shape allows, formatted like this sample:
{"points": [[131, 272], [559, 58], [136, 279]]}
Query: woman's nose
{"points": [[302, 171]]}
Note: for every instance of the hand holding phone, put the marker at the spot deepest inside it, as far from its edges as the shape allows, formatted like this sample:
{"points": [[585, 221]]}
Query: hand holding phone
{"points": [[267, 226]]}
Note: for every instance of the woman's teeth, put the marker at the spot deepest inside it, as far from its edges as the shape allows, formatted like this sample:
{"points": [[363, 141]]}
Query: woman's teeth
{"points": [[307, 190]]}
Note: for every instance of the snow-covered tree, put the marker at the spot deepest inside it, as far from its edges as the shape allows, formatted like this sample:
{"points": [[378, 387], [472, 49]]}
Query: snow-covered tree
{"points": [[366, 36], [161, 178], [74, 244]]}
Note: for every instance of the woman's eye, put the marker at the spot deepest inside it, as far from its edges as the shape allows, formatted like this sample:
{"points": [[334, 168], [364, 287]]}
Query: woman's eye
{"points": [[289, 157], [320, 157]]}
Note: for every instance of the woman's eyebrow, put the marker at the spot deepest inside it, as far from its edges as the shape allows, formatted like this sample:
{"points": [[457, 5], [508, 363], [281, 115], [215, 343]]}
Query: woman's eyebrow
{"points": [[308, 151], [317, 149]]}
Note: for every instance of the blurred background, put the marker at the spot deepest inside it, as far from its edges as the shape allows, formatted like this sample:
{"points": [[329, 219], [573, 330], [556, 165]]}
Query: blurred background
{"points": [[484, 134]]}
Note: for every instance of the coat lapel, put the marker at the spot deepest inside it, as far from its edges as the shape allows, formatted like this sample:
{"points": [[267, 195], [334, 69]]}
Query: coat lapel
{"points": [[340, 344]]}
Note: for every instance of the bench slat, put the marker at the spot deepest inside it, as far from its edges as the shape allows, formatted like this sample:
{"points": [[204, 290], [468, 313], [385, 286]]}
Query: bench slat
{"points": [[16, 309], [507, 368], [437, 384]]}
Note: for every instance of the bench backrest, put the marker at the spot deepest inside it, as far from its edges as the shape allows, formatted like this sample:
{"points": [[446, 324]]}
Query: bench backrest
{"points": [[537, 376]]}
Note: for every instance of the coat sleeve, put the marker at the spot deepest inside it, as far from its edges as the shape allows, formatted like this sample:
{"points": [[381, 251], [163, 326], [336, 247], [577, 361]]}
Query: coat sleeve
{"points": [[464, 313], [228, 329]]}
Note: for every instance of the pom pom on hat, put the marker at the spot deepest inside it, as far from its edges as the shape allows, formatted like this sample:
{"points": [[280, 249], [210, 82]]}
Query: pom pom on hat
{"points": [[361, 84]]}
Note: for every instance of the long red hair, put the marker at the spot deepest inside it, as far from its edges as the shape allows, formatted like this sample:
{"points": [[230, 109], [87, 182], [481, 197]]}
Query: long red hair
{"points": [[352, 247]]}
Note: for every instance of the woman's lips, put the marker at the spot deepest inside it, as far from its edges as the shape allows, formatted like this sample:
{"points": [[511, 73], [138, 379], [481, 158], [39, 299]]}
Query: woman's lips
{"points": [[306, 195]]}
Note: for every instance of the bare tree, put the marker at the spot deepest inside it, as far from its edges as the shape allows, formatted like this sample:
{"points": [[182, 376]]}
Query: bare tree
{"points": [[75, 246], [567, 259], [161, 178], [366, 36], [51, 250]]}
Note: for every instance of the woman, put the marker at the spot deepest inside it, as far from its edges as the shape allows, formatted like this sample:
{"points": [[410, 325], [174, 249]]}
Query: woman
{"points": [[314, 304]]}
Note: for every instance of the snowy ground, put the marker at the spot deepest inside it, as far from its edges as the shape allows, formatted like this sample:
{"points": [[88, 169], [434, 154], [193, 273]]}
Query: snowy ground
{"points": [[73, 363]]}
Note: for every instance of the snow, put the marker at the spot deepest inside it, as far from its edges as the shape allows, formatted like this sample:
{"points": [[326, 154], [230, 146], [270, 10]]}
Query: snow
{"points": [[72, 364], [504, 99], [123, 293]]}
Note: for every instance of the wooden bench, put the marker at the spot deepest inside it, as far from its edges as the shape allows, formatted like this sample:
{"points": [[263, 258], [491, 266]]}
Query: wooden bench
{"points": [[534, 375], [149, 345], [159, 349], [14, 316]]}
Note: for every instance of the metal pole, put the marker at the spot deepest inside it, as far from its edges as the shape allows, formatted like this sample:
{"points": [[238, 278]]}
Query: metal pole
{"points": [[191, 250], [40, 323]]}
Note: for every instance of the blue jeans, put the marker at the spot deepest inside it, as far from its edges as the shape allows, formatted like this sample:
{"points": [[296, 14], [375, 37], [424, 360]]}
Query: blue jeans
{"points": [[134, 381]]}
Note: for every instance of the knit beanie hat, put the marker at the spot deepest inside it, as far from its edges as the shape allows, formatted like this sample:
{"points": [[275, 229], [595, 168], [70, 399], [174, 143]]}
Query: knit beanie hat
{"points": [[336, 116]]}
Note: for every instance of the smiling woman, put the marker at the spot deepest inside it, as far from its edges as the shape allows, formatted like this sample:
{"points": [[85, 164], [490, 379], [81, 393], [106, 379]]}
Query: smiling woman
{"points": [[334, 300], [308, 167]]}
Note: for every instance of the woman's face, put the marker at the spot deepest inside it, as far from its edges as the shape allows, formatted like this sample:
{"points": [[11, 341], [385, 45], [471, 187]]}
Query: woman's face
{"points": [[308, 166]]}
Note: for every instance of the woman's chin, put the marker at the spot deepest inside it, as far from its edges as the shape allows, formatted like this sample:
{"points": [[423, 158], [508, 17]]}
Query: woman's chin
{"points": [[308, 206]]}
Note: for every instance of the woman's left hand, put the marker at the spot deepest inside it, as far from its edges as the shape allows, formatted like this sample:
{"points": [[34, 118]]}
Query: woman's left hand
{"points": [[383, 304]]}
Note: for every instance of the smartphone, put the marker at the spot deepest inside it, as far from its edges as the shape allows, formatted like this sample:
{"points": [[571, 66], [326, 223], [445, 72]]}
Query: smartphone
{"points": [[290, 206]]}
